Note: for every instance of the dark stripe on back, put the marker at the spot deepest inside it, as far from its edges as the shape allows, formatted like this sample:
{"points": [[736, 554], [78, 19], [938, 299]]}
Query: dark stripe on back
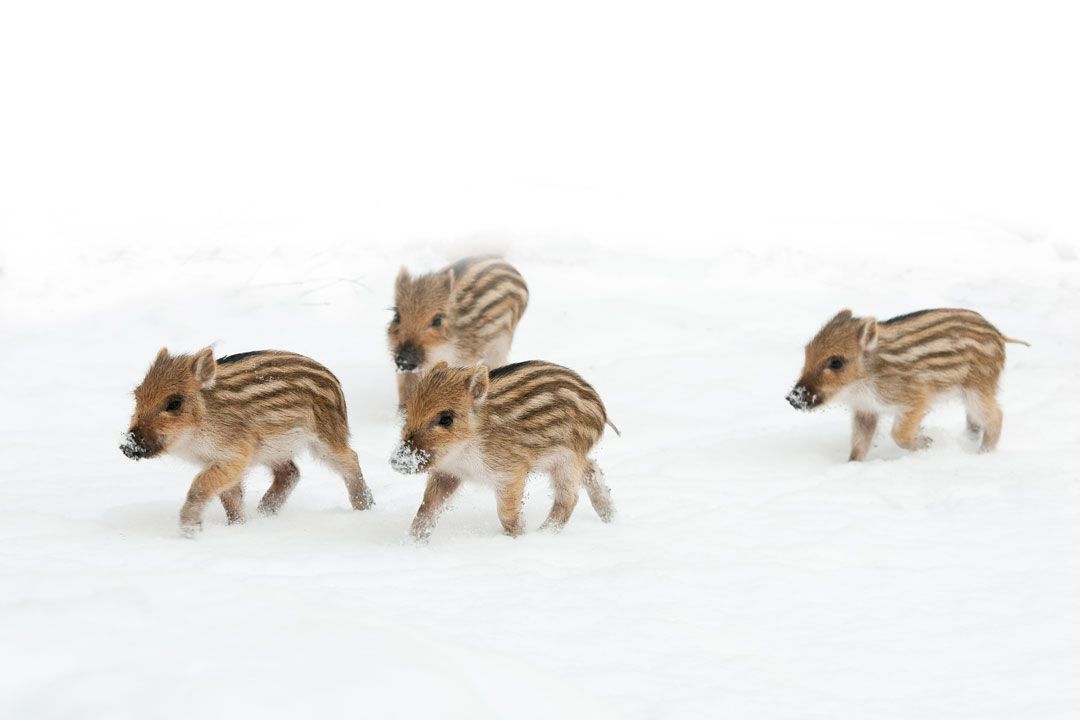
{"points": [[226, 359], [483, 314], [955, 332], [554, 410], [946, 312], [281, 360], [290, 376], [902, 318], [460, 276], [278, 399], [959, 355], [462, 266], [285, 364], [462, 286], [552, 386], [474, 291], [510, 369]]}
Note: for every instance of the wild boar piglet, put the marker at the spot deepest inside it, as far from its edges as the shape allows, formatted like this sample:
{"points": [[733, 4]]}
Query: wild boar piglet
{"points": [[225, 415], [495, 427], [902, 366], [463, 315]]}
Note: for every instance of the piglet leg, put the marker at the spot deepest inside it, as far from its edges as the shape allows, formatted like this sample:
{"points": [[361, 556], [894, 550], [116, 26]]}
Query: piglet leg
{"points": [[286, 476], [439, 488], [233, 502], [510, 497], [862, 434], [208, 484], [991, 411], [906, 430]]}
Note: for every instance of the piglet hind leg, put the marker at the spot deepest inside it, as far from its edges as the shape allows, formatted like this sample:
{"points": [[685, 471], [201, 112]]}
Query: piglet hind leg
{"points": [[347, 463], [286, 476], [863, 426], [599, 493], [566, 481], [344, 460], [439, 489], [509, 499], [211, 482], [992, 418], [907, 429]]}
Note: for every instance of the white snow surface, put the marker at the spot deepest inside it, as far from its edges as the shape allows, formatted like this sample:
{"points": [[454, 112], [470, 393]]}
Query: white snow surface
{"points": [[690, 191]]}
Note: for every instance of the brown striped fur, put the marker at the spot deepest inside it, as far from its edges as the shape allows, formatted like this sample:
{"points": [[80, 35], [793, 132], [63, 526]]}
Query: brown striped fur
{"points": [[503, 424], [464, 314], [225, 415], [903, 365]]}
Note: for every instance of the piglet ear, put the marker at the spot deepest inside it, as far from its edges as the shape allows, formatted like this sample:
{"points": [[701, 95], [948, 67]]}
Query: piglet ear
{"points": [[842, 316], [205, 367], [478, 383], [441, 365], [450, 280], [868, 334], [402, 278], [162, 355]]}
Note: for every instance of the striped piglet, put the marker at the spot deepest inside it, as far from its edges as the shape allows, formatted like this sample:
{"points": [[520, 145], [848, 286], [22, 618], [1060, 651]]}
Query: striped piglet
{"points": [[464, 314], [901, 366], [225, 415], [472, 425]]}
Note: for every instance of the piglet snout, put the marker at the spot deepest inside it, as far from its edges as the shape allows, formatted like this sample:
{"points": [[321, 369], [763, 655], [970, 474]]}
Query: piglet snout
{"points": [[799, 397], [407, 359], [408, 460], [133, 445]]}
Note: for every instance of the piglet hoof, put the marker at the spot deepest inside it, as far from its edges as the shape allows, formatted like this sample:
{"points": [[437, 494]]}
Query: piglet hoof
{"points": [[363, 501], [922, 443], [420, 535], [235, 520], [190, 530], [268, 508]]}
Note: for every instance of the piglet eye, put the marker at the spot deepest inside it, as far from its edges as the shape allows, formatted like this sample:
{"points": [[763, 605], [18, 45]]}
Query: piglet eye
{"points": [[436, 321], [174, 404], [397, 317], [836, 363], [446, 419]]}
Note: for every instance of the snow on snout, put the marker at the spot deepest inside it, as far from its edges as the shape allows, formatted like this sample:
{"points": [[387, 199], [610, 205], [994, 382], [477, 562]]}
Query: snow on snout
{"points": [[800, 398], [130, 446], [407, 460]]}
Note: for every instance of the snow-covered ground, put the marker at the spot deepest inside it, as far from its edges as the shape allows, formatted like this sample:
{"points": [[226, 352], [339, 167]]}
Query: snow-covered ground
{"points": [[690, 193], [751, 569]]}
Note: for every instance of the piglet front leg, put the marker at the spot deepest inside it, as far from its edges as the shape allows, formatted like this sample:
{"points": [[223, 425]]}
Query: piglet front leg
{"points": [[233, 502], [207, 485], [862, 434], [439, 489]]}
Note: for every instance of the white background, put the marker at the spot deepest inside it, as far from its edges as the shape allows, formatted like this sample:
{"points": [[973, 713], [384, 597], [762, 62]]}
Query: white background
{"points": [[690, 191]]}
